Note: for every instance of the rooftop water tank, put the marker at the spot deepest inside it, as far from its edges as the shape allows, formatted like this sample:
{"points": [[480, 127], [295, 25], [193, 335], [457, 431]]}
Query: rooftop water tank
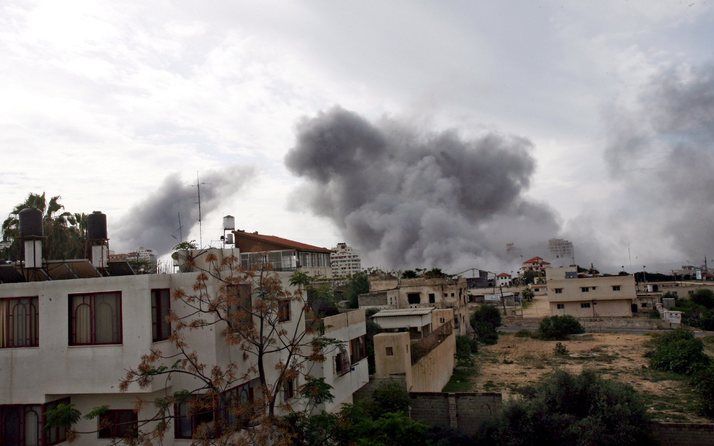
{"points": [[30, 223], [97, 226], [229, 223]]}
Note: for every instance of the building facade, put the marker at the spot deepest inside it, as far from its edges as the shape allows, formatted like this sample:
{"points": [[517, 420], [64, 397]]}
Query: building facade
{"points": [[582, 296], [345, 261]]}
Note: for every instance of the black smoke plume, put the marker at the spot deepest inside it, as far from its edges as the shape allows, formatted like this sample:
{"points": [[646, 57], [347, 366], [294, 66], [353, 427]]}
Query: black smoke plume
{"points": [[409, 198], [153, 223]]}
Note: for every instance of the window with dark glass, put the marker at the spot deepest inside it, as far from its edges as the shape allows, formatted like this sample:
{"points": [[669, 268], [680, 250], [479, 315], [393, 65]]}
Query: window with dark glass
{"points": [[358, 348], [239, 305], [432, 298], [283, 310], [19, 322], [236, 406], [197, 414], [160, 307], [288, 389], [118, 424], [20, 425], [95, 318], [585, 305], [413, 298]]}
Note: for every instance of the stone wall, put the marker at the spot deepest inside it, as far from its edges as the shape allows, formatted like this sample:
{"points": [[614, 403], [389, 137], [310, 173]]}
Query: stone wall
{"points": [[683, 434], [462, 411]]}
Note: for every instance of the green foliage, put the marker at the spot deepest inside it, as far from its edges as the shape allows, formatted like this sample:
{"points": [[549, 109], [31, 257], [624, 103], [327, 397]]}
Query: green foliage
{"points": [[65, 232], [465, 347], [316, 391], [560, 349], [484, 321], [703, 386], [434, 273], [357, 284], [704, 297], [96, 412], [566, 409], [186, 246], [62, 415], [321, 299], [527, 294], [529, 277], [559, 327], [524, 334], [389, 397], [677, 351], [409, 274]]}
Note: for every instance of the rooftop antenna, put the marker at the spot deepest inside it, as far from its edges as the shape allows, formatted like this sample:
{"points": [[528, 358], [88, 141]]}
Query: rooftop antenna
{"points": [[200, 228], [179, 229]]}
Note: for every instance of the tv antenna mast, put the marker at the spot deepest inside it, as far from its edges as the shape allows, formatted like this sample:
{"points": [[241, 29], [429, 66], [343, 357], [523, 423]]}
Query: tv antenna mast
{"points": [[200, 228]]}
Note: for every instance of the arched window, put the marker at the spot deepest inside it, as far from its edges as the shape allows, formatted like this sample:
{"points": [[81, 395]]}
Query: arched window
{"points": [[18, 322], [95, 318], [32, 426]]}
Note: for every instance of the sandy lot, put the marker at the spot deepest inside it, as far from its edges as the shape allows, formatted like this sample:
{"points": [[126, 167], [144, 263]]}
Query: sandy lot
{"points": [[515, 362]]}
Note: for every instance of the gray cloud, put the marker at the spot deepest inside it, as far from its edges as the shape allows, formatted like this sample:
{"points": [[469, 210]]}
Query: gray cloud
{"points": [[409, 198], [153, 223], [662, 149]]}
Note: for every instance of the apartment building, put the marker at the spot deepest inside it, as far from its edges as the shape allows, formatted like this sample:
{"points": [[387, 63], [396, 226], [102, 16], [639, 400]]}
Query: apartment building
{"points": [[443, 292], [345, 261], [69, 330], [588, 296]]}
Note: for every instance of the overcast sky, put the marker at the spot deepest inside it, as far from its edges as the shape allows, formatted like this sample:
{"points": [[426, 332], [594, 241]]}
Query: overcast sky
{"points": [[113, 105]]}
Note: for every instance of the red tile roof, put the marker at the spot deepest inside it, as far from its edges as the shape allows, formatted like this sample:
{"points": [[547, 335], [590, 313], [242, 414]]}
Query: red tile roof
{"points": [[288, 244], [536, 259], [504, 275]]}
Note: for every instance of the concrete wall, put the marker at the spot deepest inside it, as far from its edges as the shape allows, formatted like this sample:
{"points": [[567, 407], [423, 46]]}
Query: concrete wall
{"points": [[598, 308], [462, 411], [343, 327], [433, 371], [397, 364]]}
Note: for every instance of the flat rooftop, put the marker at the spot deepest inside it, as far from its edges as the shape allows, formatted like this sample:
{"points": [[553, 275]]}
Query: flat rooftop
{"points": [[421, 311]]}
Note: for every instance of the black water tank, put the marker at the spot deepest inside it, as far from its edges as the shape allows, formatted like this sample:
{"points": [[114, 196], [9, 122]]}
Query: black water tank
{"points": [[97, 226], [30, 223]]}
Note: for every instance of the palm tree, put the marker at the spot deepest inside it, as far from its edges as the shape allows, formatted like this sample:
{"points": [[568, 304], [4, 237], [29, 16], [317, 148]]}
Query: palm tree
{"points": [[64, 231]]}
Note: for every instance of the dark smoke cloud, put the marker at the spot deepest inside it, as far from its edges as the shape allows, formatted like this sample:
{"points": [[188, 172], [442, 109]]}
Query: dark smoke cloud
{"points": [[662, 149], [408, 198], [153, 223]]}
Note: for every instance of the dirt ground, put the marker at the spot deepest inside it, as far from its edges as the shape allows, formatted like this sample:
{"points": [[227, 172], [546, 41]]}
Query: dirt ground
{"points": [[515, 362]]}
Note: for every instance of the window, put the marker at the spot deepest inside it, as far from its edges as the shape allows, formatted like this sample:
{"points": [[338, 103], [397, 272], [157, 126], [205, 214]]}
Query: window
{"points": [[196, 413], [160, 307], [390, 351], [643, 305], [358, 348], [342, 362], [236, 406], [442, 320], [118, 424], [432, 298], [616, 288], [585, 305], [413, 298], [288, 389], [558, 290], [584, 289], [560, 306], [283, 310], [21, 425], [95, 318], [593, 288], [18, 322]]}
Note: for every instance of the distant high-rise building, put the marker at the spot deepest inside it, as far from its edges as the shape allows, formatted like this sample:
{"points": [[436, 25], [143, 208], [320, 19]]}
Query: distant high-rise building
{"points": [[345, 260], [561, 250]]}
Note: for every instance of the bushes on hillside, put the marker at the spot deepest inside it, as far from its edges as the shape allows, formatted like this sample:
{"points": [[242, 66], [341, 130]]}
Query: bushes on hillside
{"points": [[677, 351], [566, 409], [559, 327], [698, 311], [485, 320], [703, 385]]}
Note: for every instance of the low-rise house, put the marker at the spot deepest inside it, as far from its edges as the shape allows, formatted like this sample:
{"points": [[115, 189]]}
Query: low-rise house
{"points": [[418, 345], [503, 280], [444, 292], [599, 296], [537, 264]]}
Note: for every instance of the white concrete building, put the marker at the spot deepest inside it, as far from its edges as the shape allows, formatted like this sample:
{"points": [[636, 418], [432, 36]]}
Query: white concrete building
{"points": [[345, 260], [72, 341]]}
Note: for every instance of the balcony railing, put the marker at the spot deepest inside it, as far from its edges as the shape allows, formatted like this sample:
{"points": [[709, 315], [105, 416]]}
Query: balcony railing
{"points": [[422, 347]]}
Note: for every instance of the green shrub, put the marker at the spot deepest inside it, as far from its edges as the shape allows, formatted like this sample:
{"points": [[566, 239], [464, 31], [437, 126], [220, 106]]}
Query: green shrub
{"points": [[484, 321], [567, 409], [677, 351], [560, 349], [704, 297], [465, 347], [559, 327], [523, 334], [703, 385], [388, 398]]}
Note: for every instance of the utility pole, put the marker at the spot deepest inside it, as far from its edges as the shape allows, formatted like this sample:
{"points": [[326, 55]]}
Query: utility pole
{"points": [[200, 228]]}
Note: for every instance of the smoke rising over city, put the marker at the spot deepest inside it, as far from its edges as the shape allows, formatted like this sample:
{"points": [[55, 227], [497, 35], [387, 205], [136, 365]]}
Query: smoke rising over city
{"points": [[410, 198], [154, 221], [662, 149]]}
